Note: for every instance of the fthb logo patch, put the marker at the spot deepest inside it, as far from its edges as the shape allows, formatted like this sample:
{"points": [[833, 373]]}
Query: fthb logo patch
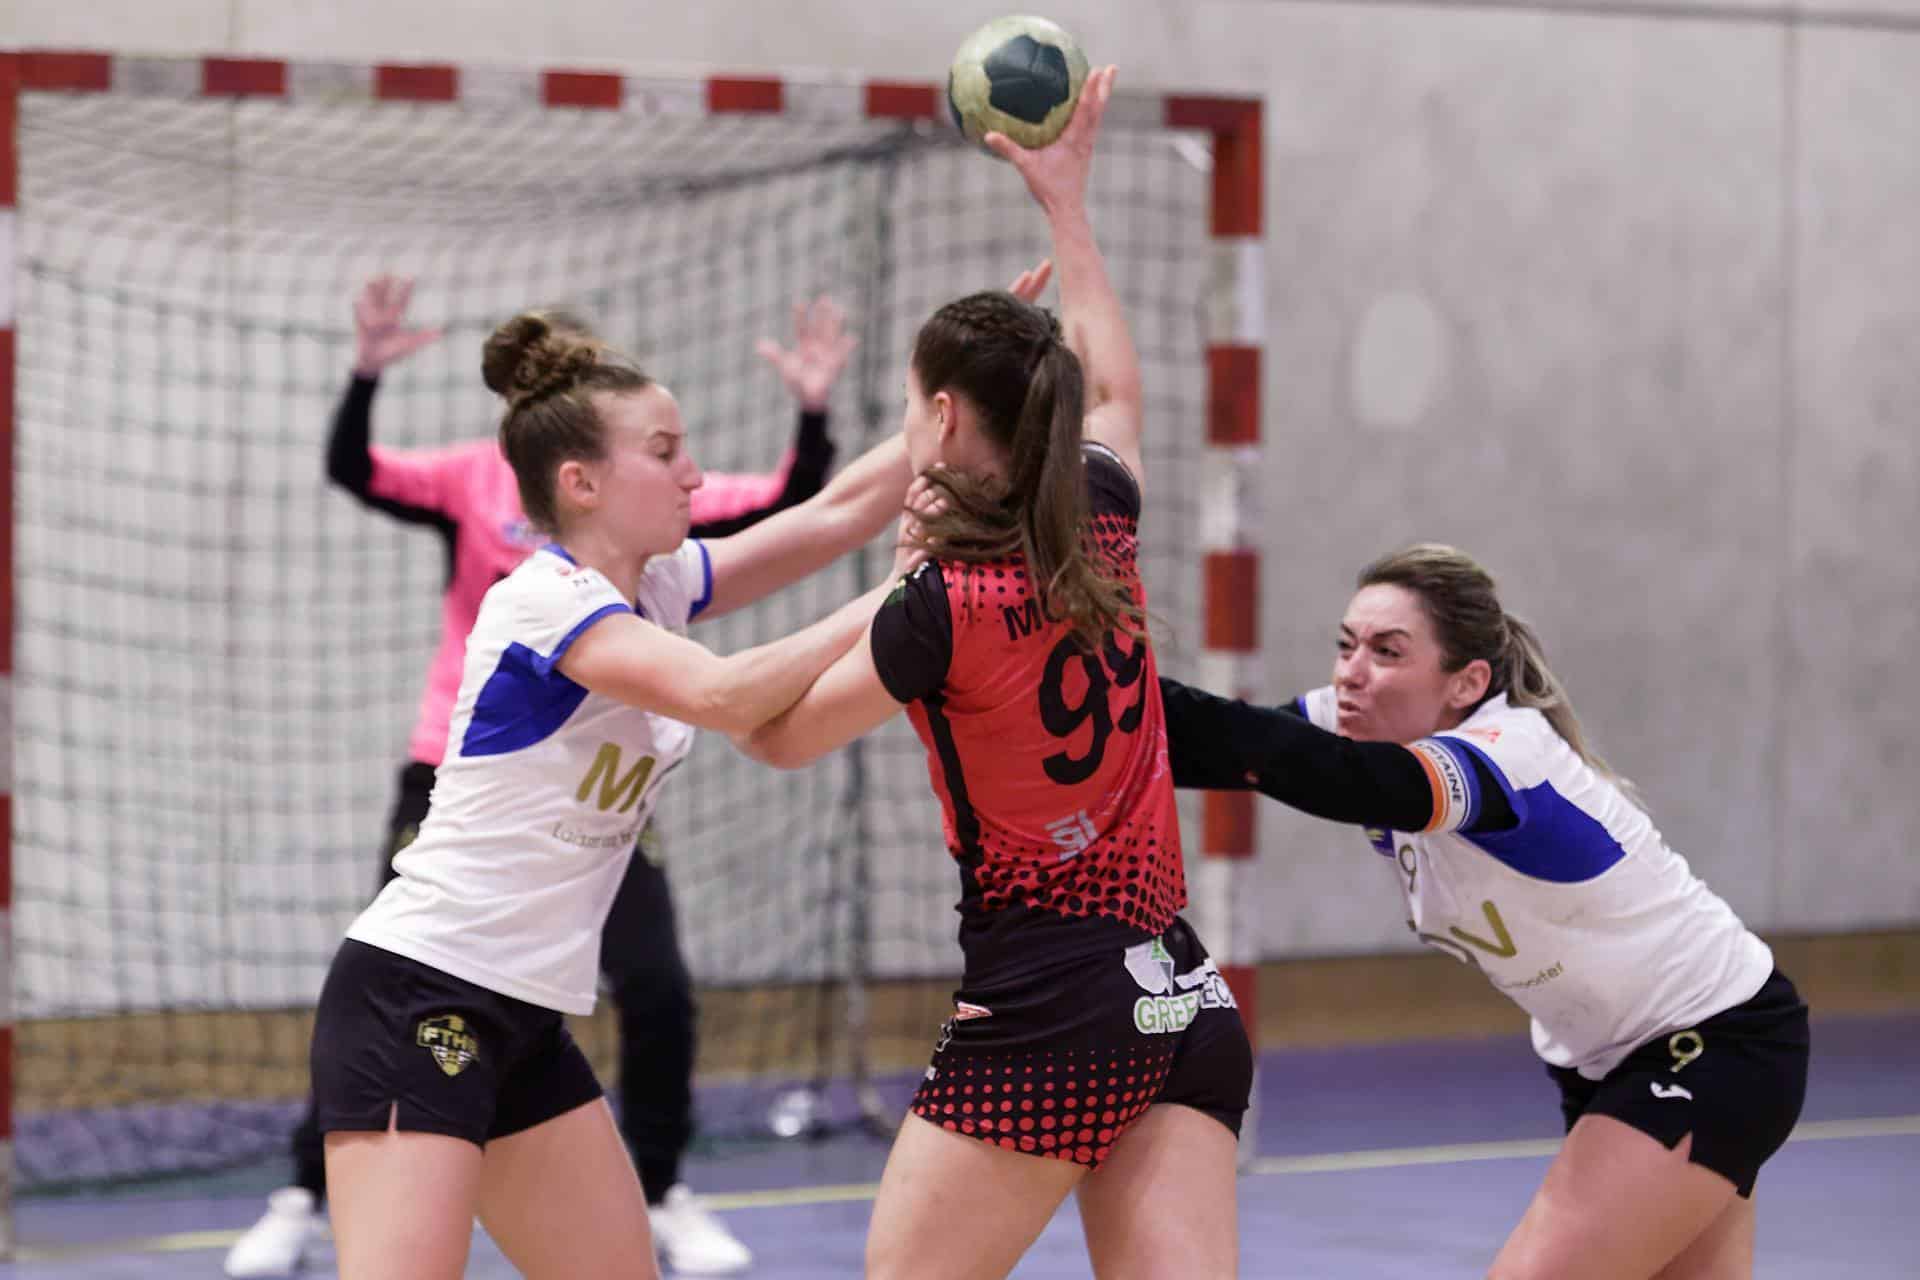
{"points": [[446, 1037]]}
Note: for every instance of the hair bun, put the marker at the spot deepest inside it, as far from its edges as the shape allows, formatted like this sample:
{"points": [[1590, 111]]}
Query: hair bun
{"points": [[528, 358]]}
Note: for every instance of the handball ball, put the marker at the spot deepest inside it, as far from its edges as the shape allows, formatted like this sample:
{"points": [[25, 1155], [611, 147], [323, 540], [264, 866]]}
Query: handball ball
{"points": [[1020, 76]]}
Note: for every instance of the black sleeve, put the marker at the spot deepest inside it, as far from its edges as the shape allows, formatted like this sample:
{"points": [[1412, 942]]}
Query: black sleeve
{"points": [[1224, 744], [349, 460], [1111, 488], [812, 459], [350, 463], [913, 635]]}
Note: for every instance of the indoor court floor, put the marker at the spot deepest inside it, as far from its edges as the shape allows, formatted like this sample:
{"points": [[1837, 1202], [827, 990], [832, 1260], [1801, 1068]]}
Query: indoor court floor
{"points": [[1404, 1160]]}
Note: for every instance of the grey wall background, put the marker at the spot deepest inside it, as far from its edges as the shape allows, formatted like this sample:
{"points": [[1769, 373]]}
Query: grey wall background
{"points": [[1626, 303]]}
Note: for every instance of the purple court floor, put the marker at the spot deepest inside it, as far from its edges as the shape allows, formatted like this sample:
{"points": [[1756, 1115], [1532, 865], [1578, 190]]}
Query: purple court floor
{"points": [[1406, 1160]]}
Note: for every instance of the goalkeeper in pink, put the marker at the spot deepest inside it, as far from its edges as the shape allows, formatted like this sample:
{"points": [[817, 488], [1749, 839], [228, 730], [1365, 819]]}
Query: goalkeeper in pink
{"points": [[468, 495]]}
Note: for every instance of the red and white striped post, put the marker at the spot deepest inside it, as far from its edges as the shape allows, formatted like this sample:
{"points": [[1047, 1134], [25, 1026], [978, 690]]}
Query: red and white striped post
{"points": [[1224, 893], [10, 83]]}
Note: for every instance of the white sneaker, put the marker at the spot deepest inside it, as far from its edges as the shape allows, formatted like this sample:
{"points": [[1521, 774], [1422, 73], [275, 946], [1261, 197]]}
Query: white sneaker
{"points": [[692, 1240], [275, 1245]]}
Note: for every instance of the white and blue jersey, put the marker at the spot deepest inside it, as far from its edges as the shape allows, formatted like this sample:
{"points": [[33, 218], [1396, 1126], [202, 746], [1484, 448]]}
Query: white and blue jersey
{"points": [[1579, 912], [544, 789]]}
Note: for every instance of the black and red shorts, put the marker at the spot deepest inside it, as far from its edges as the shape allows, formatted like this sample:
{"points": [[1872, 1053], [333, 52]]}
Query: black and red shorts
{"points": [[1057, 1059]]}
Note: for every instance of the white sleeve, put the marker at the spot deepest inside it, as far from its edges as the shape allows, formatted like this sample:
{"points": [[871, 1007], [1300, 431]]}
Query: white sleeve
{"points": [[677, 587], [556, 604], [1321, 707], [1509, 752]]}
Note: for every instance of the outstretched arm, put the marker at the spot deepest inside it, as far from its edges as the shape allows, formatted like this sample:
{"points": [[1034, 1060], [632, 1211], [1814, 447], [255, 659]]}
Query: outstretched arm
{"points": [[1091, 314], [847, 701], [903, 657], [1225, 744], [849, 513], [627, 658]]}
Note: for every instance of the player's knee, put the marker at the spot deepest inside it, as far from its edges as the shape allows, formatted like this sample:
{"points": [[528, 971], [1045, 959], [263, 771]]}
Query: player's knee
{"points": [[885, 1261], [1537, 1263], [1518, 1269]]}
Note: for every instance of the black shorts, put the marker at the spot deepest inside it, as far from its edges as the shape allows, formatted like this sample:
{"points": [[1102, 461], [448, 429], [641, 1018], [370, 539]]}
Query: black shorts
{"points": [[1735, 1082], [397, 1039], [1059, 1060]]}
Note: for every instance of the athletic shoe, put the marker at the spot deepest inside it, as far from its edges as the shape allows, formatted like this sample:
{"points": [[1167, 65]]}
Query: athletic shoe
{"points": [[275, 1245], [691, 1240]]}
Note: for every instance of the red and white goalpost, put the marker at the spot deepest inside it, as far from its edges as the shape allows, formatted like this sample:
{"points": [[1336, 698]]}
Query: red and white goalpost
{"points": [[178, 238]]}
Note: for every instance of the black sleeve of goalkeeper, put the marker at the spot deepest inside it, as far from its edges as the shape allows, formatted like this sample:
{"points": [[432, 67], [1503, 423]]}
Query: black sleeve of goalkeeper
{"points": [[349, 445]]}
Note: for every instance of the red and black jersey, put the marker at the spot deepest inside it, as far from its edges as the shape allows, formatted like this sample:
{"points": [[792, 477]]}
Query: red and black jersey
{"points": [[1050, 759]]}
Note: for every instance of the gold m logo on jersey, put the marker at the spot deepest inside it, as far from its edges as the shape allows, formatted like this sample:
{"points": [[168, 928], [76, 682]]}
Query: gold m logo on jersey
{"points": [[446, 1037], [615, 788]]}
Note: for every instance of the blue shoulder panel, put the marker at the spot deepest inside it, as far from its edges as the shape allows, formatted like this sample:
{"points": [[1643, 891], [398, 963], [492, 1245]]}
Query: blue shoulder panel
{"points": [[1556, 840], [525, 700]]}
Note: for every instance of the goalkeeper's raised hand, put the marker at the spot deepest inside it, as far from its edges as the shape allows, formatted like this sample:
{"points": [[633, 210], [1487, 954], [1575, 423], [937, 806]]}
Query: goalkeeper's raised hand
{"points": [[380, 328]]}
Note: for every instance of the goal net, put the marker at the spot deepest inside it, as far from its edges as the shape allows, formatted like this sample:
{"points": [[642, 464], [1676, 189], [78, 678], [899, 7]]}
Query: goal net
{"points": [[219, 656]]}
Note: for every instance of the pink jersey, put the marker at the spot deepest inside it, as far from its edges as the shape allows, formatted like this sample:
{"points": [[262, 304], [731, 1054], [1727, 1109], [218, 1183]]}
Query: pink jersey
{"points": [[472, 489]]}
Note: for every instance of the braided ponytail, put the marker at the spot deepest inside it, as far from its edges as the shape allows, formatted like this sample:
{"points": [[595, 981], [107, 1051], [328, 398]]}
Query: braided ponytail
{"points": [[1011, 362]]}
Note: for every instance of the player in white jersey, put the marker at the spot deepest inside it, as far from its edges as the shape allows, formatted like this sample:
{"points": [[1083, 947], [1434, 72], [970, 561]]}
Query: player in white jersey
{"points": [[445, 1080], [1680, 1051]]}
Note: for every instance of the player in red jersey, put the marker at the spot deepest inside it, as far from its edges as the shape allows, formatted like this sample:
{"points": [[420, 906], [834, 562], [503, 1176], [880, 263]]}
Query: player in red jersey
{"points": [[1093, 1047]]}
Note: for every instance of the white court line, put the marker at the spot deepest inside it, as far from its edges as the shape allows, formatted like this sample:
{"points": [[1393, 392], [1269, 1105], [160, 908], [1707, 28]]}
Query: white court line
{"points": [[178, 1242], [1466, 1152], [1403, 1157], [789, 1197]]}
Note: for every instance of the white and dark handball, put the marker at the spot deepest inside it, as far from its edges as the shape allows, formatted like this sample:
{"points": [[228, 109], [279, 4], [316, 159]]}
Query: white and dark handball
{"points": [[1020, 76]]}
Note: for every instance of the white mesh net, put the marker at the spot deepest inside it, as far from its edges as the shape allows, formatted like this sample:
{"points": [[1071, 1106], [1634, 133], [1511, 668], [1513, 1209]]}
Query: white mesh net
{"points": [[219, 656]]}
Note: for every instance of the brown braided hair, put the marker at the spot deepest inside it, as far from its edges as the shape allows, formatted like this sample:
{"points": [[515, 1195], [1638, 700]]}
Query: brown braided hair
{"points": [[1009, 360]]}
